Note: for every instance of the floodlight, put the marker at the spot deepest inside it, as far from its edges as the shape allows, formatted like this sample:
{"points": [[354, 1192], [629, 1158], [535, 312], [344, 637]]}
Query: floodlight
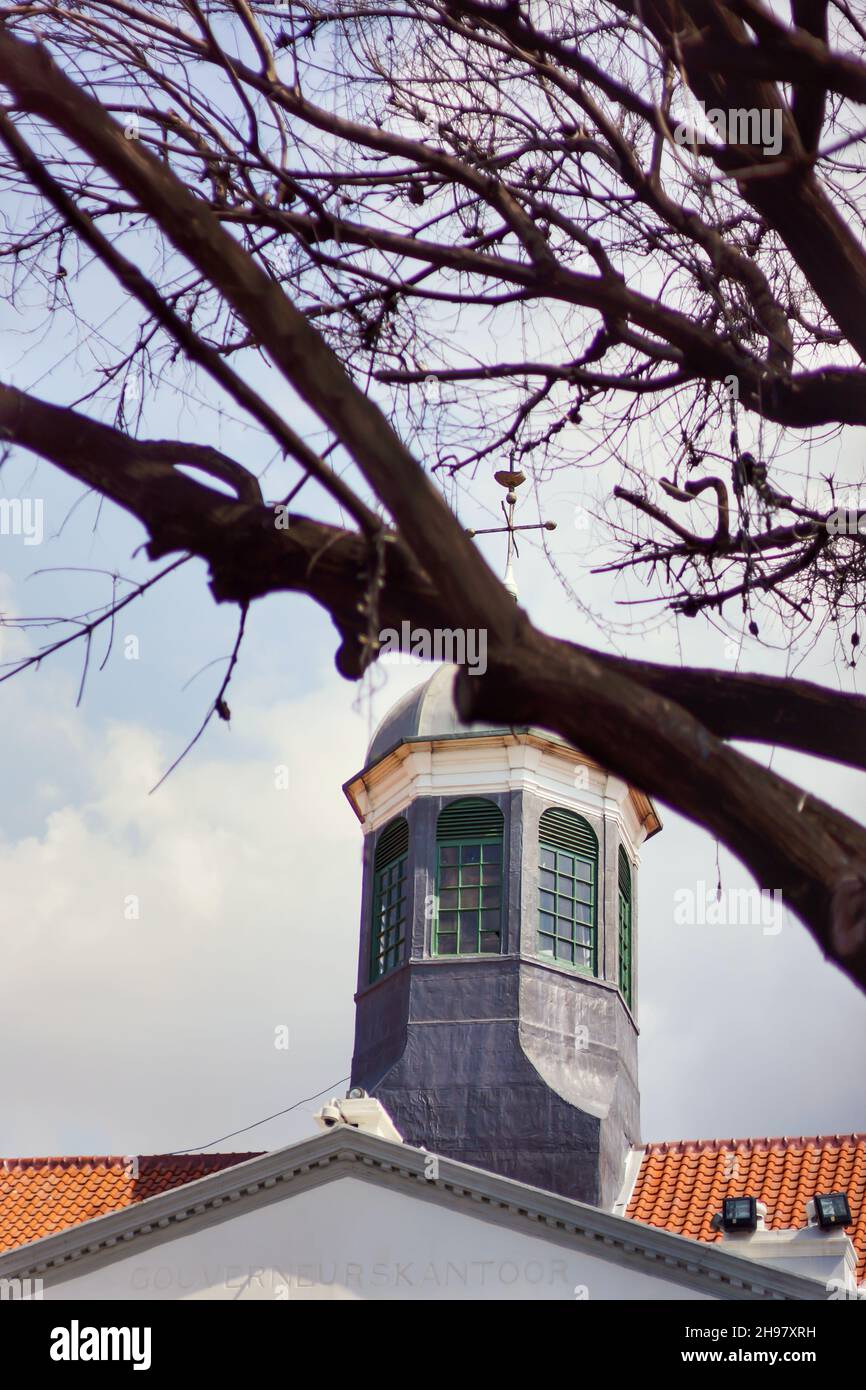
{"points": [[740, 1214], [832, 1210]]}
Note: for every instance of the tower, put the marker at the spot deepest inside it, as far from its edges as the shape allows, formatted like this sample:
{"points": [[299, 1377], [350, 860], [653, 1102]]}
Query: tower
{"points": [[496, 1003]]}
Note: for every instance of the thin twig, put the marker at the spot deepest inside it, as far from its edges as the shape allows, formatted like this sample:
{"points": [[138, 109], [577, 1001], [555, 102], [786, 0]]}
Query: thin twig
{"points": [[217, 706]]}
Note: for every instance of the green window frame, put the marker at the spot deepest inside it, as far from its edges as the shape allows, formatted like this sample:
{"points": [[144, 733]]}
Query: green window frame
{"points": [[469, 835], [625, 927], [390, 899], [568, 891]]}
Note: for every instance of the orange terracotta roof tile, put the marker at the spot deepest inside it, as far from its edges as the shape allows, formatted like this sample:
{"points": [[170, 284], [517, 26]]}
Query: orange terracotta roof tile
{"points": [[680, 1185], [41, 1196]]}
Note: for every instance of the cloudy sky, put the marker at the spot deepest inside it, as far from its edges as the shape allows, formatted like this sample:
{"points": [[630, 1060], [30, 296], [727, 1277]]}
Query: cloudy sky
{"points": [[127, 1033]]}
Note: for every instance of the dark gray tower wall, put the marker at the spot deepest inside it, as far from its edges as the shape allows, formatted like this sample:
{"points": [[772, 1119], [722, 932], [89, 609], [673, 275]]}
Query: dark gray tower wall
{"points": [[508, 1062]]}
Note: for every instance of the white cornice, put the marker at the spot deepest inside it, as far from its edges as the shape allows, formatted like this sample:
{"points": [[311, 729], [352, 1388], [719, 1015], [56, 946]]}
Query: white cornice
{"points": [[475, 764]]}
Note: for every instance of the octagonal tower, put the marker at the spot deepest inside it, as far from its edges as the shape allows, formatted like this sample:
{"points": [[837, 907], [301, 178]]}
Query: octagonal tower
{"points": [[496, 1012]]}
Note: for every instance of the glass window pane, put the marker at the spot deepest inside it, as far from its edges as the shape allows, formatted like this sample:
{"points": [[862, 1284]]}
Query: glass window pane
{"points": [[448, 876], [566, 906], [470, 873], [447, 921], [490, 873], [389, 919], [468, 933], [492, 852], [448, 854], [490, 942], [469, 897], [447, 944], [448, 897], [470, 854], [490, 897]]}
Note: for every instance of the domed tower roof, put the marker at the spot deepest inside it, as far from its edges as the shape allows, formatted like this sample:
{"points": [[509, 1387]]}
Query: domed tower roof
{"points": [[426, 712]]}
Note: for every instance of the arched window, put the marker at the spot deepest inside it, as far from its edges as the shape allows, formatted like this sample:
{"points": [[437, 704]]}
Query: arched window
{"points": [[568, 889], [469, 878], [625, 926], [389, 899]]}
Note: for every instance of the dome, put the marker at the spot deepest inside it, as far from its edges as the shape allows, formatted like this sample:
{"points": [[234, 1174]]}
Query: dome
{"points": [[428, 712], [425, 712]]}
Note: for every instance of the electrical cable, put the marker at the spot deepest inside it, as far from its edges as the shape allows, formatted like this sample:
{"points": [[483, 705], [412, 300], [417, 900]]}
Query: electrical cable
{"points": [[198, 1148]]}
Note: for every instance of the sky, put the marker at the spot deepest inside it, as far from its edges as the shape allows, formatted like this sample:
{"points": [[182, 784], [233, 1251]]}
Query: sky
{"points": [[156, 945]]}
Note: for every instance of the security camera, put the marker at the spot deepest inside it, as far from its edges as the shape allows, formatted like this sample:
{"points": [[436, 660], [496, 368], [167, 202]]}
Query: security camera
{"points": [[359, 1112]]}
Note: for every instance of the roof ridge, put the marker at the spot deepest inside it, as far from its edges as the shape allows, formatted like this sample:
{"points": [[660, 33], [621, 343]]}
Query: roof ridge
{"points": [[120, 1160], [714, 1145]]}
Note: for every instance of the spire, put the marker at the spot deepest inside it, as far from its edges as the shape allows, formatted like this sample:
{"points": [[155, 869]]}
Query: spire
{"points": [[511, 480]]}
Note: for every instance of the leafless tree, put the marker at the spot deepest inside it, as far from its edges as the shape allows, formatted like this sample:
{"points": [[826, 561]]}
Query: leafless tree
{"points": [[371, 198]]}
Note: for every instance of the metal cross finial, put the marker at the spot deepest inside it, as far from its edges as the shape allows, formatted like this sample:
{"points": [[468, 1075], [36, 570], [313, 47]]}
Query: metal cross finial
{"points": [[511, 480]]}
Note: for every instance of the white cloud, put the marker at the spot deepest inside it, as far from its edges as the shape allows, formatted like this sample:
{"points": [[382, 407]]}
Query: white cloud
{"points": [[157, 1033]]}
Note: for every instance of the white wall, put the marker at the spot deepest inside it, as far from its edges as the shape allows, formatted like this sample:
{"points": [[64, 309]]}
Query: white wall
{"points": [[350, 1239]]}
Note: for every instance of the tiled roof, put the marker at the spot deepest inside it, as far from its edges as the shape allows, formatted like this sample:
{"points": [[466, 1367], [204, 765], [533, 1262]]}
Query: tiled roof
{"points": [[680, 1186], [41, 1196]]}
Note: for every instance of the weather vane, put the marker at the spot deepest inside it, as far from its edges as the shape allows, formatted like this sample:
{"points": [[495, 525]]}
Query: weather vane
{"points": [[511, 480]]}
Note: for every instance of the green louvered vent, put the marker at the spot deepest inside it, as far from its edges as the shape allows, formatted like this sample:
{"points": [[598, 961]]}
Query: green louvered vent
{"points": [[565, 830], [473, 818], [624, 875], [393, 844]]}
